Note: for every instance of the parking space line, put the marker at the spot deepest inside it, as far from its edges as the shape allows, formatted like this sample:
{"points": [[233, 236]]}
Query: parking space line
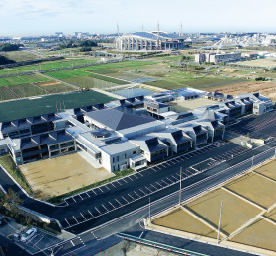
{"points": [[130, 178], [105, 208], [87, 194], [140, 174], [98, 210], [142, 191], [136, 194], [67, 221], [148, 189], [83, 216], [72, 242], [159, 184], [80, 197], [131, 196], [124, 180], [165, 182], [73, 199], [169, 179], [100, 189], [167, 164], [118, 202], [90, 213], [112, 205], [94, 192], [107, 187], [75, 219], [125, 199], [153, 186], [119, 183], [113, 185]]}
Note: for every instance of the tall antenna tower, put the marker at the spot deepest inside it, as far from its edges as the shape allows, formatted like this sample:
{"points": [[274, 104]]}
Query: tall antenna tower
{"points": [[181, 30]]}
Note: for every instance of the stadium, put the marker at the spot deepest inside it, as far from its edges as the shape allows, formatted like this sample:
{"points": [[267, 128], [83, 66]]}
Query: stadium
{"points": [[150, 41]]}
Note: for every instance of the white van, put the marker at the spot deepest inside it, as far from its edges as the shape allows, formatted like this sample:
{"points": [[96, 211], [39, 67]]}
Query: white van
{"points": [[28, 234]]}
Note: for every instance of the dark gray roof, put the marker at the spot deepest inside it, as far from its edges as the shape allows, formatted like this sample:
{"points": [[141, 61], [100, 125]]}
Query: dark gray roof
{"points": [[155, 104], [24, 123], [117, 120], [48, 139]]}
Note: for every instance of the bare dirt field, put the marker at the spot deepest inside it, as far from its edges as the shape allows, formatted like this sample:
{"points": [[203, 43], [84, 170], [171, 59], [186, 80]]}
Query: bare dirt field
{"points": [[181, 220], [48, 84], [260, 234], [244, 224], [235, 210], [268, 63], [56, 176], [184, 105], [268, 170], [264, 87], [256, 188]]}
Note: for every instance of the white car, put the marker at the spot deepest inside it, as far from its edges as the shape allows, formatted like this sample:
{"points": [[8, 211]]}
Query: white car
{"points": [[28, 234]]}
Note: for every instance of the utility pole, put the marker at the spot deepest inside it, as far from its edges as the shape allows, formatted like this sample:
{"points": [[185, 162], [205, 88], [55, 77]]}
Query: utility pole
{"points": [[158, 28], [181, 30], [180, 185], [149, 208], [219, 222], [252, 161]]}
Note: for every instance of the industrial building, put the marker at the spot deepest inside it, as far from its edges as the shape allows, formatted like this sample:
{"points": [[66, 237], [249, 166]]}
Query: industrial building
{"points": [[150, 41], [121, 134]]}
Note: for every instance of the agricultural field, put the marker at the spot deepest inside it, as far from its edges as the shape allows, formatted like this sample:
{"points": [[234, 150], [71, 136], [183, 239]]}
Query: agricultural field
{"points": [[62, 74], [20, 56], [49, 65], [248, 219], [88, 82], [267, 63], [16, 87]]}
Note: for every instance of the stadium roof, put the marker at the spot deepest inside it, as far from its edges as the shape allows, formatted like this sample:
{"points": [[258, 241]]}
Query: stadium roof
{"points": [[117, 120], [154, 35]]}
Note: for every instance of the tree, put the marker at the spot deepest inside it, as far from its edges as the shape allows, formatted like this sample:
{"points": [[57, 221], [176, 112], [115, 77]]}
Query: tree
{"points": [[11, 201]]}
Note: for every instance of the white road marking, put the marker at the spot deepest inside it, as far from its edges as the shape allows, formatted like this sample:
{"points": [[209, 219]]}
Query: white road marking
{"points": [[87, 194], [112, 205], [142, 191], [105, 208], [131, 196], [74, 199], [118, 202], [81, 197], [72, 242], [82, 216], [90, 213], [67, 221], [125, 199], [98, 210], [75, 219]]}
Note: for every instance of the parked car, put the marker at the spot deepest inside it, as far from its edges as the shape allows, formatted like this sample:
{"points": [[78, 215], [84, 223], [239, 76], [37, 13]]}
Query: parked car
{"points": [[28, 234], [17, 236]]}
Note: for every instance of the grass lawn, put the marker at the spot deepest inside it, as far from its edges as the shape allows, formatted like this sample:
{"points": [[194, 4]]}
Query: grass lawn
{"points": [[66, 73], [8, 163]]}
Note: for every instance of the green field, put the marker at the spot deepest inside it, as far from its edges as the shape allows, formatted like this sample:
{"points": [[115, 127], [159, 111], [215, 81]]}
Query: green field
{"points": [[88, 82], [108, 79], [62, 74], [14, 80], [49, 65]]}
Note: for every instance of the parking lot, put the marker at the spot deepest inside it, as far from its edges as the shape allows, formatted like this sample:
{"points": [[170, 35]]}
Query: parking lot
{"points": [[166, 173], [40, 241], [259, 127]]}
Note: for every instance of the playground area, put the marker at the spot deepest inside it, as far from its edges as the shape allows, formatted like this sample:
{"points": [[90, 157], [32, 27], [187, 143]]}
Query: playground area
{"points": [[248, 219]]}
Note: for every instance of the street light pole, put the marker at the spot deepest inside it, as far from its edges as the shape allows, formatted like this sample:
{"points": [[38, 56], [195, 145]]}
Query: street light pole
{"points": [[180, 186], [219, 222], [149, 208]]}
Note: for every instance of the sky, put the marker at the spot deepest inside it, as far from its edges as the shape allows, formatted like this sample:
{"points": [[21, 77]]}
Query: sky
{"points": [[45, 17]]}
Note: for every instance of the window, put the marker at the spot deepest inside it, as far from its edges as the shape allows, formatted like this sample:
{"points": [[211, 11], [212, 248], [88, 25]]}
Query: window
{"points": [[113, 159], [134, 152], [118, 158]]}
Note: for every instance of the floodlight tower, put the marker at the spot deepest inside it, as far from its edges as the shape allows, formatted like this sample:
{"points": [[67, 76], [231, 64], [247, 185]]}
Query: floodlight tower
{"points": [[158, 30], [180, 30]]}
